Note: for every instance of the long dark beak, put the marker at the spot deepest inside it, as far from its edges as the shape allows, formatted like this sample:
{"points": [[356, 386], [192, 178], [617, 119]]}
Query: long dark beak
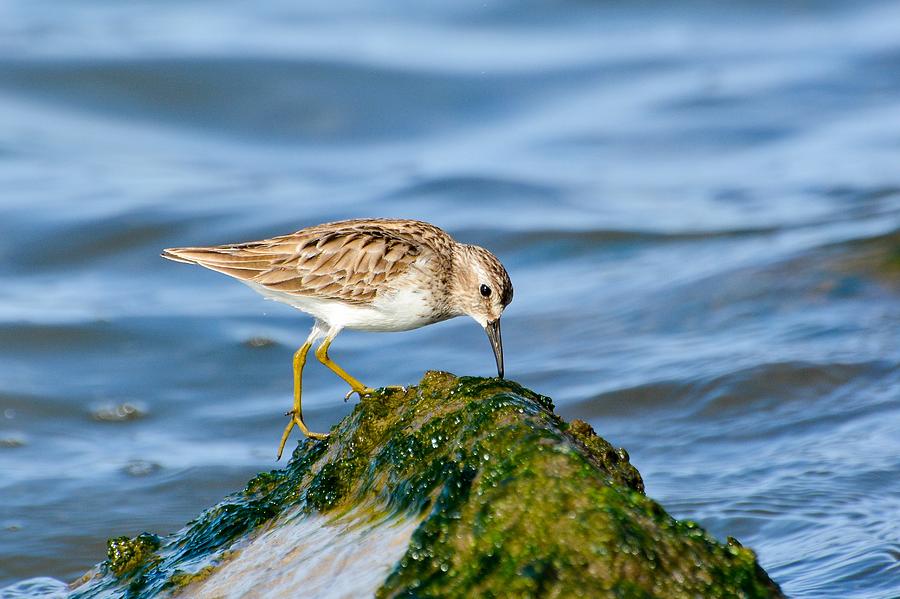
{"points": [[493, 332]]}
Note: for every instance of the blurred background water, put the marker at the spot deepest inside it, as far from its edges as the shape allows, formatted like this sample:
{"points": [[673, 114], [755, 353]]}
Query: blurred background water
{"points": [[699, 205]]}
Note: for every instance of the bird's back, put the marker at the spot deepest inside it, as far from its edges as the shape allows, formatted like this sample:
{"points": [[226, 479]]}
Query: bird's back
{"points": [[350, 261]]}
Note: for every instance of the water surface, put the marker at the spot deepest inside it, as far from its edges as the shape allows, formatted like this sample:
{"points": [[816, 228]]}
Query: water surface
{"points": [[699, 207]]}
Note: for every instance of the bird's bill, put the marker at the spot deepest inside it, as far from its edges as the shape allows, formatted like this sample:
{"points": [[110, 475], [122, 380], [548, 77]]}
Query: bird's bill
{"points": [[493, 332]]}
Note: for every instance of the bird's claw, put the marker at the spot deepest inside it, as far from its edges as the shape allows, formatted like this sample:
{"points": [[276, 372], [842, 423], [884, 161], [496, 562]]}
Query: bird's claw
{"points": [[361, 392], [298, 422]]}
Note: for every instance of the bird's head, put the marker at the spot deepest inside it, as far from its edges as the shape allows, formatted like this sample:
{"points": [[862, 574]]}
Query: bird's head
{"points": [[482, 290]]}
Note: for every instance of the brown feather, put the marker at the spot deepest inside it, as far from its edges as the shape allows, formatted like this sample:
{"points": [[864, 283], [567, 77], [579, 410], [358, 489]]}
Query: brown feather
{"points": [[349, 261]]}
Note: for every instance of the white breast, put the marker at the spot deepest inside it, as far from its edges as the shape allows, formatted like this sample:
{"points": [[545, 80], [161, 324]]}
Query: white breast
{"points": [[408, 308]]}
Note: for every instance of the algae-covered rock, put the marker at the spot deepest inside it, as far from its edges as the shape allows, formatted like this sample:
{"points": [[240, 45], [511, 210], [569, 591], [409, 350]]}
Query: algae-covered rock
{"points": [[124, 555], [459, 487]]}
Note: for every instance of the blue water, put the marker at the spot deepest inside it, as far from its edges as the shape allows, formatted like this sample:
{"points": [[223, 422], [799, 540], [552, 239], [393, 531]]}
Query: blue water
{"points": [[699, 206]]}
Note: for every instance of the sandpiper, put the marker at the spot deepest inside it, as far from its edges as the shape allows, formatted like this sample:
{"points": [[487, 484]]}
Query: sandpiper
{"points": [[368, 275]]}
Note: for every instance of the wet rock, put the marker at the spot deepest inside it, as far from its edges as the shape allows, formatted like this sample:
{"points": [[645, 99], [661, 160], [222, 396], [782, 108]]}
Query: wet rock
{"points": [[12, 441], [139, 468], [257, 342], [118, 412], [125, 555], [458, 487]]}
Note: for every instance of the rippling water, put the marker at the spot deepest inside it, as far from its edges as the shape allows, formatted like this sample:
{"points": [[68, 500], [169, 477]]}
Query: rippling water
{"points": [[699, 206]]}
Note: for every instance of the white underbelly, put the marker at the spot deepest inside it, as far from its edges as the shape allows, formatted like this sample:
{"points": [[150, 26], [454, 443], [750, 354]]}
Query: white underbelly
{"points": [[404, 311]]}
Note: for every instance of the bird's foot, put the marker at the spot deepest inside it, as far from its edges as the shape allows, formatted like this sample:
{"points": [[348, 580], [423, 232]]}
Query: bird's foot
{"points": [[362, 392], [296, 420], [367, 391]]}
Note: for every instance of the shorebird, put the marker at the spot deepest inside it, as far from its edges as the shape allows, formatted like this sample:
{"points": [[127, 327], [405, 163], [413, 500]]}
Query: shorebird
{"points": [[368, 275]]}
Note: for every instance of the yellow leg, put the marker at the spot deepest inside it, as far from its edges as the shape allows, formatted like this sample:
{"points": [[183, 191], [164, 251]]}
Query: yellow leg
{"points": [[355, 385], [297, 414]]}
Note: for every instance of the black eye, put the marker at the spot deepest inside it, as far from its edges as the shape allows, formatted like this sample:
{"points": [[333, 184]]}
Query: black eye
{"points": [[485, 291]]}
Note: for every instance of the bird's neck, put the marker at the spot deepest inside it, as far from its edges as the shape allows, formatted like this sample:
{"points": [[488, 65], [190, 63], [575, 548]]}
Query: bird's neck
{"points": [[461, 278]]}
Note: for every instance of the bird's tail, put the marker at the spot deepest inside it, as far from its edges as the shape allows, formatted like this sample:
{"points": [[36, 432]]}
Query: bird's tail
{"points": [[236, 261], [179, 255]]}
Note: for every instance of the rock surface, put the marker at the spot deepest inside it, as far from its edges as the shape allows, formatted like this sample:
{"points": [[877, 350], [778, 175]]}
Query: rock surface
{"points": [[458, 487]]}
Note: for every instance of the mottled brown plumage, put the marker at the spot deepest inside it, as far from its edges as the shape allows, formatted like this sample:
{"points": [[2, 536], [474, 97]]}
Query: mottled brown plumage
{"points": [[367, 274], [349, 261]]}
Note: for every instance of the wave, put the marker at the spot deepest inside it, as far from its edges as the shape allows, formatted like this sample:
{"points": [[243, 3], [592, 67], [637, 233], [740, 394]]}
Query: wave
{"points": [[284, 100], [756, 389]]}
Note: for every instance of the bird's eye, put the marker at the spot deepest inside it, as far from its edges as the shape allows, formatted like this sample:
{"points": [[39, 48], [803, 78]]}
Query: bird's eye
{"points": [[485, 291]]}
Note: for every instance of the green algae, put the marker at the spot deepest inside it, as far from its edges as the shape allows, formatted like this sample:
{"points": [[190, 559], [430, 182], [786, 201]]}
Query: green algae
{"points": [[513, 501], [124, 555], [179, 580], [873, 259], [891, 261]]}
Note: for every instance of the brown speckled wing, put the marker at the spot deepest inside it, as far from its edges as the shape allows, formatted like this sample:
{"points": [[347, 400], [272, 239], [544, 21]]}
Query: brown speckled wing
{"points": [[347, 261]]}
